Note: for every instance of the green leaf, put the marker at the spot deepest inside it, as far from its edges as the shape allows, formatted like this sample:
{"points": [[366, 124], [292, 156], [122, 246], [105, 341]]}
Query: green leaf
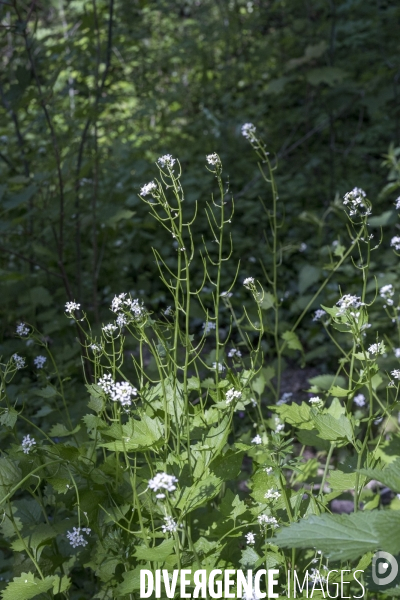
{"points": [[47, 392], [227, 466], [307, 277], [200, 492], [27, 586], [390, 476], [333, 429], [267, 301], [295, 414], [130, 584], [342, 481], [135, 435], [20, 198], [9, 417], [325, 382], [60, 430], [10, 474], [158, 553], [339, 537], [258, 384], [249, 558], [292, 341], [344, 537]]}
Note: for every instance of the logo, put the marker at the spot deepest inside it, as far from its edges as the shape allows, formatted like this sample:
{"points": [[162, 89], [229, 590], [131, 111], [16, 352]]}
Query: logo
{"points": [[384, 568]]}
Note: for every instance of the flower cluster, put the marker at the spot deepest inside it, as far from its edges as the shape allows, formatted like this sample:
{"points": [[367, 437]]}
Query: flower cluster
{"points": [[209, 326], [265, 520], [170, 525], [248, 130], [233, 353], [70, 307], [395, 374], [220, 367], [213, 159], [109, 328], [319, 313], [22, 329], [248, 282], [122, 304], [397, 205], [378, 348], [396, 352], [348, 304], [18, 361], [148, 188], [163, 481], [232, 395], [250, 538], [316, 401], [27, 444], [257, 440], [268, 470], [316, 576], [166, 161], [355, 202], [95, 348], [39, 361], [121, 392], [359, 400], [395, 242], [76, 536], [284, 398], [272, 494], [387, 292]]}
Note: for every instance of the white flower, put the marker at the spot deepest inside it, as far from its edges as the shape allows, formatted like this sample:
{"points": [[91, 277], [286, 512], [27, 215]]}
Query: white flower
{"points": [[303, 247], [396, 374], [316, 575], [233, 353], [168, 311], [265, 520], [209, 326], [121, 392], [27, 444], [387, 292], [166, 161], [213, 159], [272, 494], [284, 398], [359, 400], [355, 202], [19, 361], [170, 525], [22, 329], [118, 303], [250, 595], [316, 401], [248, 130], [397, 352], [232, 394], [395, 242], [162, 481], [349, 303], [280, 427], [226, 294], [257, 440], [319, 313], [121, 320], [39, 361], [70, 307], [109, 329], [378, 348], [398, 203], [268, 470], [95, 348], [148, 188], [221, 367], [250, 538], [76, 536], [249, 281]]}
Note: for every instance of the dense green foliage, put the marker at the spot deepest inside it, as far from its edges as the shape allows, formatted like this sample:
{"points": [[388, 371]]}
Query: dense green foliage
{"points": [[92, 93]]}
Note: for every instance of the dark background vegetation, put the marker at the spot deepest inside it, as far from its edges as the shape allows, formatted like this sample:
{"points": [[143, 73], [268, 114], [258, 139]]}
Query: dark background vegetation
{"points": [[93, 91]]}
